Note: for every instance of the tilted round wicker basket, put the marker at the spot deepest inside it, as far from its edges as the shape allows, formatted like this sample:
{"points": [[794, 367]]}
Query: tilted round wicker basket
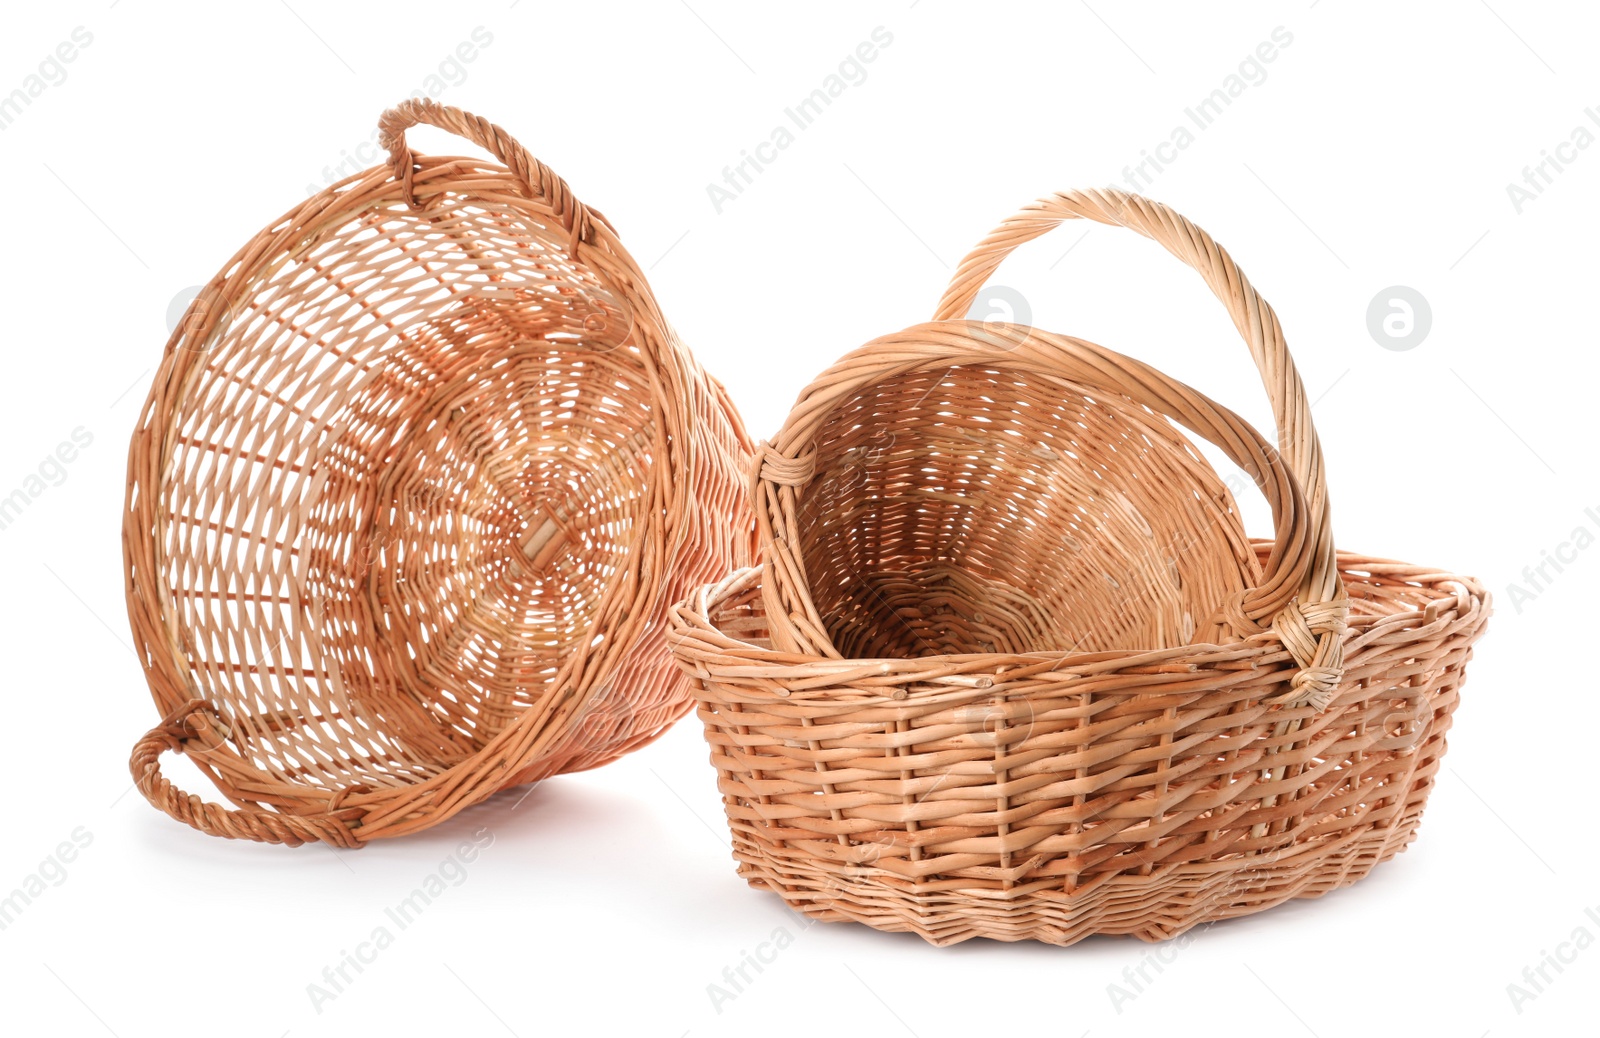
{"points": [[421, 472], [887, 757]]}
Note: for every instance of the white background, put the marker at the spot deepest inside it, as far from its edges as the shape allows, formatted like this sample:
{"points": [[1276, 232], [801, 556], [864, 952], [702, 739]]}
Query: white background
{"points": [[1376, 152]]}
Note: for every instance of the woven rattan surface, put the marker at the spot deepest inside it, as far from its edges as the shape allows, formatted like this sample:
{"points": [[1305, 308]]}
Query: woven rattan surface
{"points": [[420, 473]]}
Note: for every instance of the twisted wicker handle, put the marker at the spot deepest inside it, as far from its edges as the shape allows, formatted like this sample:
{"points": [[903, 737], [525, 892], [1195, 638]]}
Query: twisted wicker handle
{"points": [[1252, 316], [194, 721], [539, 181]]}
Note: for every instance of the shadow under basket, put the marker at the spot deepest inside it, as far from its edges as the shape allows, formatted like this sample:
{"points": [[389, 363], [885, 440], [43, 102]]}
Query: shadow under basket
{"points": [[1050, 796]]}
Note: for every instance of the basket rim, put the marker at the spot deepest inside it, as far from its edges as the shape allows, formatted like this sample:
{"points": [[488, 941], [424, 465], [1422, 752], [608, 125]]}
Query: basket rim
{"points": [[969, 674]]}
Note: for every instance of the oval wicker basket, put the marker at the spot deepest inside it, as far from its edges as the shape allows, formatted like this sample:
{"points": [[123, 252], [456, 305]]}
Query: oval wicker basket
{"points": [[1043, 791], [421, 472]]}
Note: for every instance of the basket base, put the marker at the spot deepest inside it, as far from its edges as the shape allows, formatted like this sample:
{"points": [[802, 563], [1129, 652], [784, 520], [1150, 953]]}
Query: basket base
{"points": [[1190, 895]]}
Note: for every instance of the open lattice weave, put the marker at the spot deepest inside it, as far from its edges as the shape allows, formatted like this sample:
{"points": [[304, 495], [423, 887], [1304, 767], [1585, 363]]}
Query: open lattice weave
{"points": [[420, 474]]}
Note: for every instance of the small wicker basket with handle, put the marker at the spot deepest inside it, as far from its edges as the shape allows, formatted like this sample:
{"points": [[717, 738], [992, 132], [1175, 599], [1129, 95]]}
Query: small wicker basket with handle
{"points": [[420, 474]]}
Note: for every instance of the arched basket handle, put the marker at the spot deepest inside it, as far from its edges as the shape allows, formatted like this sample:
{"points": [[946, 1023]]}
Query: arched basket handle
{"points": [[194, 722], [538, 181], [1251, 314]]}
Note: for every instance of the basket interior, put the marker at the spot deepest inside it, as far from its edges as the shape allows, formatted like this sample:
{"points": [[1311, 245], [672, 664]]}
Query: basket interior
{"points": [[410, 462], [1377, 593], [991, 510]]}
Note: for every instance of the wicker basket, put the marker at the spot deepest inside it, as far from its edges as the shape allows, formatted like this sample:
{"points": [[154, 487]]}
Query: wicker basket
{"points": [[953, 509], [422, 470], [979, 786]]}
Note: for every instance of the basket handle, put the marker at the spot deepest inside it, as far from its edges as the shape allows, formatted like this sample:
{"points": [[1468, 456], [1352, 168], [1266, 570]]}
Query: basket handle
{"points": [[1252, 316], [539, 181], [195, 722]]}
